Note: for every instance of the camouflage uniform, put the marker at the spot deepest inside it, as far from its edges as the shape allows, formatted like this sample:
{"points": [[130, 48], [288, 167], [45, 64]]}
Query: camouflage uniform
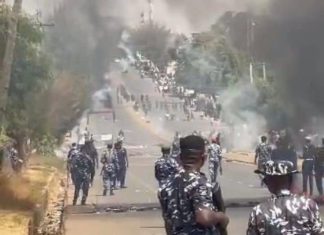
{"points": [[73, 153], [179, 197], [215, 158], [175, 151], [108, 173], [263, 153], [165, 167], [83, 166], [285, 213]]}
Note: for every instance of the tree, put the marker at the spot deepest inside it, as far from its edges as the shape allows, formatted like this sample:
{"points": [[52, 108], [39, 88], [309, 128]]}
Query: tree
{"points": [[31, 75], [209, 61]]}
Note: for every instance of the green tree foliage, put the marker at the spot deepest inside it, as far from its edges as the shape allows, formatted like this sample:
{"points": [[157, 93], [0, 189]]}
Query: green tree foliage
{"points": [[208, 61], [42, 106], [30, 76]]}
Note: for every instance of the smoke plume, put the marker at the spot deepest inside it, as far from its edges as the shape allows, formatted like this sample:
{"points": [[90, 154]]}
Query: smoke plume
{"points": [[242, 115], [181, 16], [290, 38]]}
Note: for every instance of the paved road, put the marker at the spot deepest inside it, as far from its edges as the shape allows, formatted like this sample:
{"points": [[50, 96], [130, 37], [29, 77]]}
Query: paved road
{"points": [[143, 140], [139, 223], [238, 182]]}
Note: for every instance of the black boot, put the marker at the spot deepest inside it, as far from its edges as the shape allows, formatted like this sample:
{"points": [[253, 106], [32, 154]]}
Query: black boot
{"points": [[105, 192], [83, 202], [74, 202]]}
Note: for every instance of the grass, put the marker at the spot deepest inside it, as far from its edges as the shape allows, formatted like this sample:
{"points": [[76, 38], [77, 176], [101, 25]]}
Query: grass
{"points": [[19, 193], [24, 191], [14, 223], [47, 162]]}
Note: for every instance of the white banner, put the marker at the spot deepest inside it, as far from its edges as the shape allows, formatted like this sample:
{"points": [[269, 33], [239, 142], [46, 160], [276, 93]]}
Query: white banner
{"points": [[108, 137]]}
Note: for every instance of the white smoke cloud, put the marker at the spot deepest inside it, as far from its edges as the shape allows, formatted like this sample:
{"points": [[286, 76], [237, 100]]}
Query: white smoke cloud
{"points": [[45, 7], [240, 112], [181, 16]]}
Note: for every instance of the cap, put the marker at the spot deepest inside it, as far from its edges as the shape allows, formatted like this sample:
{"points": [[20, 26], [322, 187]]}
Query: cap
{"points": [[192, 143], [278, 168]]}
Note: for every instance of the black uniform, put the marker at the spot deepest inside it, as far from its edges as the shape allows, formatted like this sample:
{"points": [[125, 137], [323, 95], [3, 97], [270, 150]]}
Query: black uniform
{"points": [[121, 158], [319, 169], [309, 153]]}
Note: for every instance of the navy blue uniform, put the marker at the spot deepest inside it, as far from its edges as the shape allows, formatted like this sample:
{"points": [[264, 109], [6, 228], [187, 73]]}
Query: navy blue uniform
{"points": [[319, 169], [83, 166], [180, 197], [309, 153], [165, 167], [73, 153], [121, 159]]}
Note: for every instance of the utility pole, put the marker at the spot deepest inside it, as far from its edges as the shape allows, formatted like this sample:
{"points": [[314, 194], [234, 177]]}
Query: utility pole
{"points": [[264, 70], [250, 41], [150, 2], [6, 66]]}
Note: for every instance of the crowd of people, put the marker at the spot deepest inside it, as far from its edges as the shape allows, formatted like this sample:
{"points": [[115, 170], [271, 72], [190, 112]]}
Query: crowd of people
{"points": [[165, 83], [192, 203], [312, 159], [83, 161]]}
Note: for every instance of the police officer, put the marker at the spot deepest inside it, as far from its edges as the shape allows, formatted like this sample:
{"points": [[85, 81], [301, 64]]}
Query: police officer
{"points": [[186, 198], [107, 153], [91, 151], [286, 213], [309, 153], [122, 163], [215, 159], [319, 168], [108, 174], [74, 151], [175, 150], [165, 166], [104, 157], [83, 166], [262, 152]]}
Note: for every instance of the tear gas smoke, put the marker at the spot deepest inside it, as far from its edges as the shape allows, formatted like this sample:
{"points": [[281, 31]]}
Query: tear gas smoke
{"points": [[290, 37], [181, 16], [99, 97], [240, 113]]}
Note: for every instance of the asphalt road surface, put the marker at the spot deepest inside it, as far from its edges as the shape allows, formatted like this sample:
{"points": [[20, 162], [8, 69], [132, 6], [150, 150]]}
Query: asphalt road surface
{"points": [[139, 223], [143, 135]]}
